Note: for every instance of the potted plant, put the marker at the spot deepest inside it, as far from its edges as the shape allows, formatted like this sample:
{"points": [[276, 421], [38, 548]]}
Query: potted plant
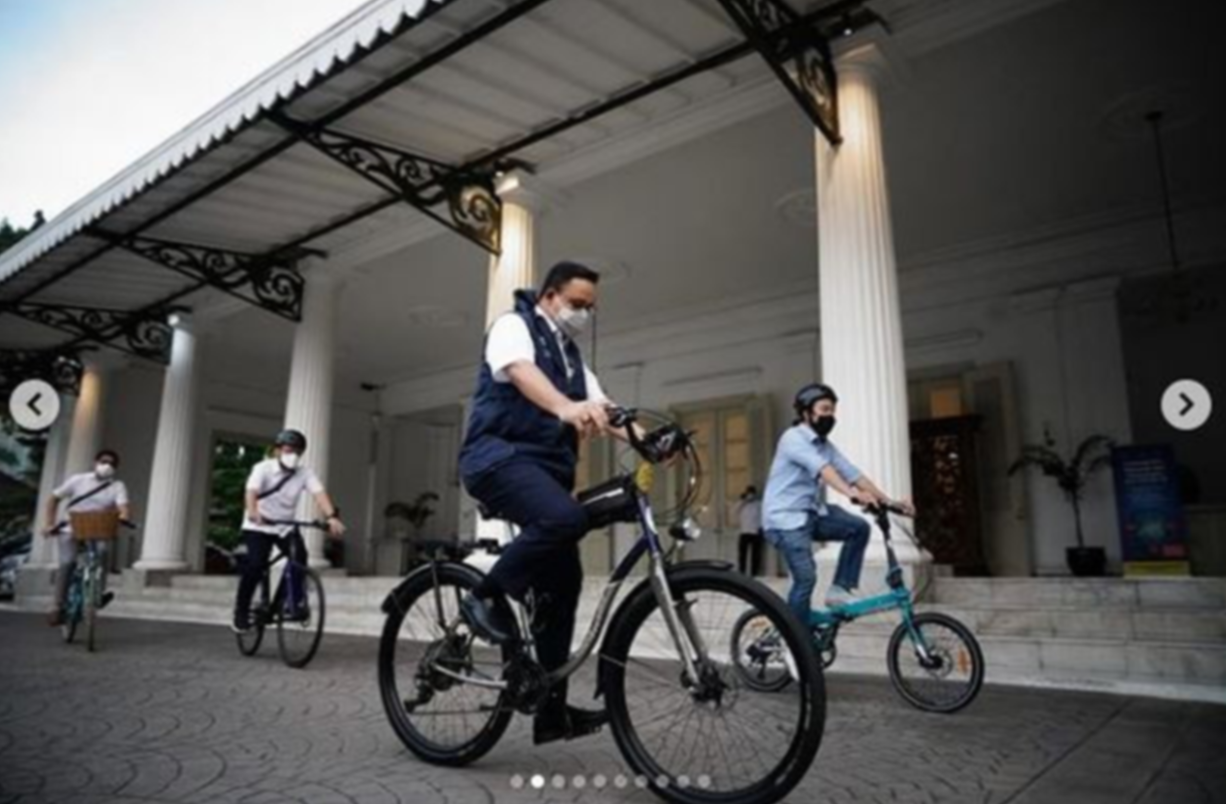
{"points": [[416, 515], [1072, 476]]}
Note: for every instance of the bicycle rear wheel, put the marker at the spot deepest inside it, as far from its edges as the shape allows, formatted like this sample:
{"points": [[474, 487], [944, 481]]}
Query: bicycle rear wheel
{"points": [[951, 675], [717, 740], [759, 655], [441, 719], [299, 616], [249, 640]]}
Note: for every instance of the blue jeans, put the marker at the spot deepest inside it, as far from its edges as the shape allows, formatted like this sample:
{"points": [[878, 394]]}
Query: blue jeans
{"points": [[797, 549]]}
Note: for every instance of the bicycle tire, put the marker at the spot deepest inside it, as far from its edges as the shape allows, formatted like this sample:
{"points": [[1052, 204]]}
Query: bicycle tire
{"points": [[90, 606], [399, 603], [317, 611], [752, 676], [973, 653], [810, 689], [71, 614], [249, 641]]}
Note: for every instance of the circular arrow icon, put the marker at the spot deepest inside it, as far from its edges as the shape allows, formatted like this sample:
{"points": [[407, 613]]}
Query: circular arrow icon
{"points": [[1186, 405], [34, 405]]}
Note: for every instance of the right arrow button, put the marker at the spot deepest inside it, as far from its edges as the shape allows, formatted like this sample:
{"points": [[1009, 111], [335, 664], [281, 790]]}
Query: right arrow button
{"points": [[1186, 405]]}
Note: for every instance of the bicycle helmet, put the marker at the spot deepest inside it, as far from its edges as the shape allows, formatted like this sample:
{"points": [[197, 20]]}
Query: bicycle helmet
{"points": [[291, 438], [810, 395]]}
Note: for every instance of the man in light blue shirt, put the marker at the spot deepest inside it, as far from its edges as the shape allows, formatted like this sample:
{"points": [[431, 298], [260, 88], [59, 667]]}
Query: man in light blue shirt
{"points": [[794, 513]]}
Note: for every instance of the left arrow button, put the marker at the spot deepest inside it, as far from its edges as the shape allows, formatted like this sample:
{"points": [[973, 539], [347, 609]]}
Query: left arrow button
{"points": [[34, 405]]}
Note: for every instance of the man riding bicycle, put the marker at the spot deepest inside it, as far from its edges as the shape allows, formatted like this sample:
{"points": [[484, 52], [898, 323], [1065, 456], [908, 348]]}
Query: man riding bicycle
{"points": [[794, 512], [273, 489], [86, 492], [535, 398]]}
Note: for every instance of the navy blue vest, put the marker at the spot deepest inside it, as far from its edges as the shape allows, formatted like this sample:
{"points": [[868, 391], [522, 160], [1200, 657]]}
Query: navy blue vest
{"points": [[504, 424]]}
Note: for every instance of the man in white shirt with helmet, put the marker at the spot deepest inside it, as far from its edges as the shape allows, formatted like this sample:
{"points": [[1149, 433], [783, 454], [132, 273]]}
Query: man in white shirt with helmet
{"points": [[272, 493]]}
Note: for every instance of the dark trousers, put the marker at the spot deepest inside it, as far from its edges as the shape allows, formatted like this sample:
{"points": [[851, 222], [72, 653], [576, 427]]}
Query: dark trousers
{"points": [[259, 548], [544, 557], [749, 553]]}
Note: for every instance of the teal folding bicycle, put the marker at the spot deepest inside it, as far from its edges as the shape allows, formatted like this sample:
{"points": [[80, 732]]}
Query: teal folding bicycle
{"points": [[935, 662]]}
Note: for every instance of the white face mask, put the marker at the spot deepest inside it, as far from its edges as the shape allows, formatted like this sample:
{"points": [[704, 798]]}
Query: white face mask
{"points": [[573, 322], [290, 460], [104, 470]]}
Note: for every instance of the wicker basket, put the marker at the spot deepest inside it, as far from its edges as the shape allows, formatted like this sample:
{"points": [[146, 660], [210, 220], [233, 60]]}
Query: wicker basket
{"points": [[102, 524]]}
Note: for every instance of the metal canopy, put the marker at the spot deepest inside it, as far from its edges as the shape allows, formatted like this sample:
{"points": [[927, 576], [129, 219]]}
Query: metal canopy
{"points": [[403, 105]]}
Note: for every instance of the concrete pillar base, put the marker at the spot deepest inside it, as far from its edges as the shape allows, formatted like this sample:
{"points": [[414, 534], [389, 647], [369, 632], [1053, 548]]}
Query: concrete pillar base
{"points": [[139, 577], [35, 586]]}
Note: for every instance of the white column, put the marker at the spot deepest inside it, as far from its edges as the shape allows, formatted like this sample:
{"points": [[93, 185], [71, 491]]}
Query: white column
{"points": [[55, 455], [164, 543], [86, 437], [515, 268], [861, 322], [309, 405], [522, 200]]}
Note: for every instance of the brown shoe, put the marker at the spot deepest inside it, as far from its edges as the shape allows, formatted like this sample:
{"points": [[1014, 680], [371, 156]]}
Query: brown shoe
{"points": [[56, 618]]}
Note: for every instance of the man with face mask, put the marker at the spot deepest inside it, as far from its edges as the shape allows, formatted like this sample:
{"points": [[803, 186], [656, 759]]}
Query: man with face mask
{"points": [[272, 493], [794, 512], [86, 492], [535, 399]]}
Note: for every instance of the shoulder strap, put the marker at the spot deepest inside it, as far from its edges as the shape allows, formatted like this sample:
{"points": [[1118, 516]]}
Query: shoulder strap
{"points": [[280, 484], [88, 494]]}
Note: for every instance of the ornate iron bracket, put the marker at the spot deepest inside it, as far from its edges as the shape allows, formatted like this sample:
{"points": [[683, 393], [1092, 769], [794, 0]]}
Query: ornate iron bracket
{"points": [[146, 334], [464, 201], [797, 52], [268, 281], [61, 368]]}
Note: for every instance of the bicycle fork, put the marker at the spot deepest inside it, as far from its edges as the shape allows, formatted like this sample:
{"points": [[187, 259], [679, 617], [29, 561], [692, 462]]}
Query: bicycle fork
{"points": [[677, 622]]}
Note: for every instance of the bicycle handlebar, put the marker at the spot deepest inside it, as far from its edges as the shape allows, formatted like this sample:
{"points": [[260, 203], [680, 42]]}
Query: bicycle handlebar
{"points": [[886, 507], [656, 446]]}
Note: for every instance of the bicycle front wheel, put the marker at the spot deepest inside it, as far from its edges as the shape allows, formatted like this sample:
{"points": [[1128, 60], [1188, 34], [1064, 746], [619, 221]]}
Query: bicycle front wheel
{"points": [[91, 593], [299, 610], [71, 615], [716, 738], [946, 674]]}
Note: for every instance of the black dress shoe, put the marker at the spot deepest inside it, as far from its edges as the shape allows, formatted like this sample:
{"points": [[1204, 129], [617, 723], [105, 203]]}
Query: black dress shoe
{"points": [[566, 723], [107, 597], [485, 620]]}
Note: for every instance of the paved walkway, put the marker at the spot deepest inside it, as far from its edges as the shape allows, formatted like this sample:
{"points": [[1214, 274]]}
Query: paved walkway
{"points": [[172, 713]]}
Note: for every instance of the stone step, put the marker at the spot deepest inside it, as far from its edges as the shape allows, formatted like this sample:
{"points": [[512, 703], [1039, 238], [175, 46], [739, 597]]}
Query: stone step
{"points": [[1075, 660], [1170, 625], [362, 595], [1172, 669], [1096, 593]]}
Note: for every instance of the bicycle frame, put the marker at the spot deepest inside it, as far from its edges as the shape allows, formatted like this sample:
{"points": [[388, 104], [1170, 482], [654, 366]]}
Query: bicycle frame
{"points": [[898, 597], [282, 544], [85, 573], [648, 544]]}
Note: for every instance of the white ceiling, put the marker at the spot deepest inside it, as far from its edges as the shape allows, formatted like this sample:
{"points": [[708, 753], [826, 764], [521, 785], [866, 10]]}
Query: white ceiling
{"points": [[1028, 124]]}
